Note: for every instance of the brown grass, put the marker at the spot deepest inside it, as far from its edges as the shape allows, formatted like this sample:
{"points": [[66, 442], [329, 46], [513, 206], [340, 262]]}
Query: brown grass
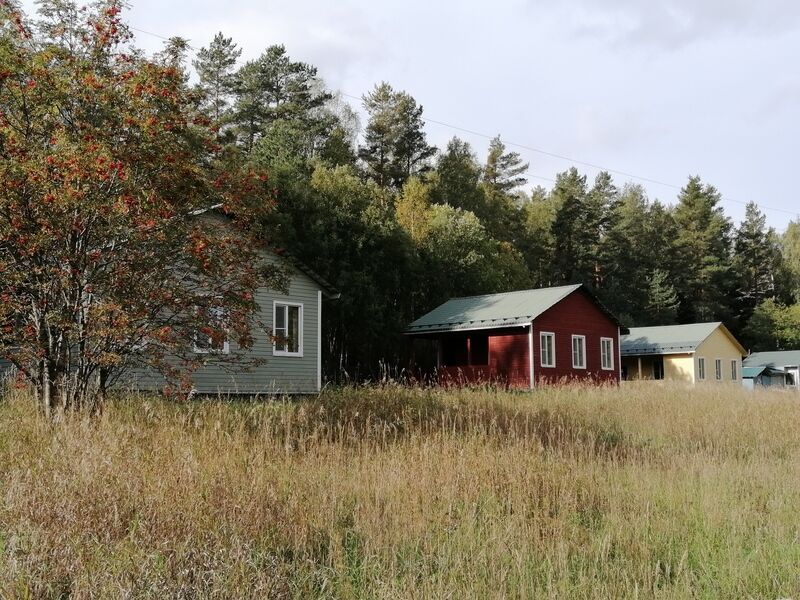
{"points": [[644, 491]]}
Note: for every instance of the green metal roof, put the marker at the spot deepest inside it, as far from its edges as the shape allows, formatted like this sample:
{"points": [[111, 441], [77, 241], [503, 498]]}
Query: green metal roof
{"points": [[752, 372], [491, 310], [666, 339], [780, 359]]}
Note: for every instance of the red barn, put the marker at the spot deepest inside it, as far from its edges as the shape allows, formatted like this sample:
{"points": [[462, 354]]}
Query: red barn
{"points": [[524, 338]]}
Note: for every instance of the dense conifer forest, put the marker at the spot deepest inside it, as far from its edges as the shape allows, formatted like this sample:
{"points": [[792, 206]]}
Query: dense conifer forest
{"points": [[400, 226]]}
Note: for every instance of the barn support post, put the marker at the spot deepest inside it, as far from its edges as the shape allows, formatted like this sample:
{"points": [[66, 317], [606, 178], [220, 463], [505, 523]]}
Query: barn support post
{"points": [[530, 352], [639, 360]]}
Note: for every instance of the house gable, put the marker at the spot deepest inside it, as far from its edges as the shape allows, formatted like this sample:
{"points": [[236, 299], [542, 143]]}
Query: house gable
{"points": [[578, 314], [722, 346]]}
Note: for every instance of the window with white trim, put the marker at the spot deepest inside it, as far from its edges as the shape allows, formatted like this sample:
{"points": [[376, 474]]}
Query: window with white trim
{"points": [[287, 329], [718, 369], [607, 354], [578, 351], [701, 368], [211, 336], [734, 370], [547, 346]]}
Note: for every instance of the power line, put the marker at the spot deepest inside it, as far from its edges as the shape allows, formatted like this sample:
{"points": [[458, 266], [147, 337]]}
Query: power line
{"points": [[540, 151], [537, 150], [580, 162], [156, 35]]}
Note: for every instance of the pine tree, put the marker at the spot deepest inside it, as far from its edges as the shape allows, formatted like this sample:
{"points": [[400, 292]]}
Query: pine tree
{"points": [[215, 66], [501, 180], [275, 89], [597, 220], [504, 171], [395, 147]]}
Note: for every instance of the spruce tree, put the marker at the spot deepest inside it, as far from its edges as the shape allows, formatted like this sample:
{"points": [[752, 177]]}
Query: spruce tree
{"points": [[638, 244], [755, 257], [703, 248], [571, 261], [597, 220], [662, 300], [455, 179]]}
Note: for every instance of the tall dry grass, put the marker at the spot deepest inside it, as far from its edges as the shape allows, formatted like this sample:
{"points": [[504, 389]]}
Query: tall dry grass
{"points": [[645, 491]]}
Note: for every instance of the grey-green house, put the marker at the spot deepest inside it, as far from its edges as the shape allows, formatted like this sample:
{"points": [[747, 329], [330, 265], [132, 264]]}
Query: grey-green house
{"points": [[291, 367]]}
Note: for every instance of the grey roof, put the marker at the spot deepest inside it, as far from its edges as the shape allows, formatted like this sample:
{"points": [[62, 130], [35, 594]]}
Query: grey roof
{"points": [[491, 310], [666, 339], [783, 358]]}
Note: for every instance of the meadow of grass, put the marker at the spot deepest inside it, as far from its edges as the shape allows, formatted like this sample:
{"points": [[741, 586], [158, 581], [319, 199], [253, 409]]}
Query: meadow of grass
{"points": [[642, 491]]}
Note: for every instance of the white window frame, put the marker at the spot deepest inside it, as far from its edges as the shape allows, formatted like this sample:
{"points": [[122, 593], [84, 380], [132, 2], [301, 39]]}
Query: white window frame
{"points": [[603, 340], [226, 345], [718, 369], [275, 304], [542, 336], [701, 368], [583, 348], [734, 370]]}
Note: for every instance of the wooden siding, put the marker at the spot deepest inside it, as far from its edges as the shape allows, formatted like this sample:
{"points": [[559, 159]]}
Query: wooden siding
{"points": [[509, 359], [719, 346], [576, 314], [277, 374]]}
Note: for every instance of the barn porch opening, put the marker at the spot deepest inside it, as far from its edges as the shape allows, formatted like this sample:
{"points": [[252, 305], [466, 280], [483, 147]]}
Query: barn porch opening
{"points": [[484, 356]]}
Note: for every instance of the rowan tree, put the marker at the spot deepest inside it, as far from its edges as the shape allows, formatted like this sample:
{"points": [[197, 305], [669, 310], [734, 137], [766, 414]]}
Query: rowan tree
{"points": [[110, 256]]}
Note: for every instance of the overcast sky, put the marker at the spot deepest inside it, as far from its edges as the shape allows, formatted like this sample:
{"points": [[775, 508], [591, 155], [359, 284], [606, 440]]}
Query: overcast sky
{"points": [[660, 90]]}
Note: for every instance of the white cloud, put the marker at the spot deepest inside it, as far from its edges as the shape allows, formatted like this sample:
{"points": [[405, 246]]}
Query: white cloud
{"points": [[675, 23]]}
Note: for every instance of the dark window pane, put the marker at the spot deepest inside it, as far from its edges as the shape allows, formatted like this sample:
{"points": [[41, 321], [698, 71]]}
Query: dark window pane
{"points": [[479, 349]]}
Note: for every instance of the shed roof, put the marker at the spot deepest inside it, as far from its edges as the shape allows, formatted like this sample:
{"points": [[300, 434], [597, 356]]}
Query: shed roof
{"points": [[669, 339], [782, 358], [492, 311], [753, 372]]}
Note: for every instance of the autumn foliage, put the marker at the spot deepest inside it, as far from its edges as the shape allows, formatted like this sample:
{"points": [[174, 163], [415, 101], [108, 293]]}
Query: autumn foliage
{"points": [[122, 222]]}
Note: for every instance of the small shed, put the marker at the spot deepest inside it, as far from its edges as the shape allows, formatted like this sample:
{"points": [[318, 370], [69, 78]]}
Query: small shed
{"points": [[787, 361], [523, 338], [764, 376]]}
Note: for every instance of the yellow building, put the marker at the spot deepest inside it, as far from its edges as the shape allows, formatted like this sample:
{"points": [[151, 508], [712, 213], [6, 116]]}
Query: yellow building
{"points": [[693, 353]]}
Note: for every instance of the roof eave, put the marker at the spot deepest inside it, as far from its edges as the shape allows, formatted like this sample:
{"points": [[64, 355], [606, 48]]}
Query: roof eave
{"points": [[436, 329]]}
